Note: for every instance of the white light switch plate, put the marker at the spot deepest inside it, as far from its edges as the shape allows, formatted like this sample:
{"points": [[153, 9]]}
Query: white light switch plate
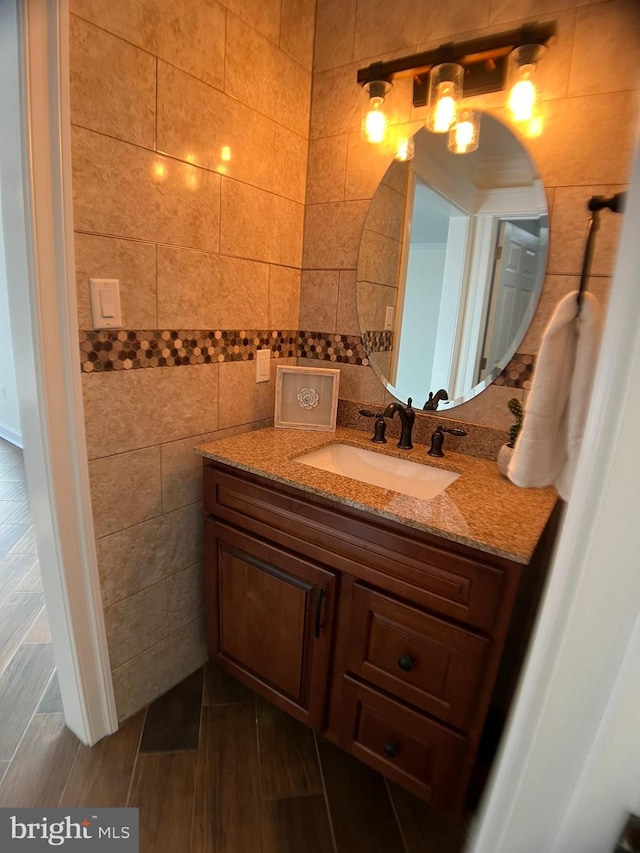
{"points": [[388, 317], [263, 365], [105, 303]]}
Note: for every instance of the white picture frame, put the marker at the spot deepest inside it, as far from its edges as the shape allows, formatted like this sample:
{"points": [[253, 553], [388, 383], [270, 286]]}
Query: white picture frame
{"points": [[306, 398]]}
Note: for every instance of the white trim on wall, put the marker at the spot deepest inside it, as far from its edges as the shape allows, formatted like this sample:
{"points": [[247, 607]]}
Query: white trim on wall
{"points": [[11, 435], [35, 171]]}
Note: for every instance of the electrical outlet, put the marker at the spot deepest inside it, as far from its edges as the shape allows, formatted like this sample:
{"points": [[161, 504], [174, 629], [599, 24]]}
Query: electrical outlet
{"points": [[263, 365], [3, 392]]}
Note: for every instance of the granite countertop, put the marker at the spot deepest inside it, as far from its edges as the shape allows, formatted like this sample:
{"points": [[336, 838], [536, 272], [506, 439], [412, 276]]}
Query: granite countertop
{"points": [[481, 508]]}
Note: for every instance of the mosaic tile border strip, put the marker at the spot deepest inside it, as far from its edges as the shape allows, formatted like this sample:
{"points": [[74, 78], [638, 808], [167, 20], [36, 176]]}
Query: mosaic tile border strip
{"points": [[379, 341], [122, 349], [519, 372], [325, 346]]}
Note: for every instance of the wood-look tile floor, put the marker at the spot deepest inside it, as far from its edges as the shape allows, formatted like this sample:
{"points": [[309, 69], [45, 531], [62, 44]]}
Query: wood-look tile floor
{"points": [[215, 769], [211, 767], [26, 658]]}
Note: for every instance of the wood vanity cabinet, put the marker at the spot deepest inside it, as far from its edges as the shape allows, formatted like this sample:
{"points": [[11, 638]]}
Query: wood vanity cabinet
{"points": [[389, 641]]}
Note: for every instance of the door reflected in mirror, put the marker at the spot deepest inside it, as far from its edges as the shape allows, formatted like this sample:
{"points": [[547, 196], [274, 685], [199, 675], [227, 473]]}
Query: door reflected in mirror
{"points": [[451, 265]]}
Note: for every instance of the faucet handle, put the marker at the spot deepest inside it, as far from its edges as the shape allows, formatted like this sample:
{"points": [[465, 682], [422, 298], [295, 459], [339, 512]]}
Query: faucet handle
{"points": [[379, 427], [437, 439]]}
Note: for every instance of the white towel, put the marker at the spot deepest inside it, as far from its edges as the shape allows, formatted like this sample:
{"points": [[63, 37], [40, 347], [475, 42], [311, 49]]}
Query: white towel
{"points": [[549, 443]]}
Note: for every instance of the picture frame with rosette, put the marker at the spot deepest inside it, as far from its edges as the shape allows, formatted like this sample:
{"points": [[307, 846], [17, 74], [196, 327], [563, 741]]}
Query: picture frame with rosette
{"points": [[306, 398]]}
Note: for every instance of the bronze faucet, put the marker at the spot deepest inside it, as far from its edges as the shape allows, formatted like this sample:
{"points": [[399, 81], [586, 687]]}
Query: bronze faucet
{"points": [[407, 417], [432, 403]]}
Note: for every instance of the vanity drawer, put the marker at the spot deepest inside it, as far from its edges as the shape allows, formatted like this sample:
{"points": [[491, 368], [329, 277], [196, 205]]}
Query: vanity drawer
{"points": [[374, 551], [430, 663], [418, 753]]}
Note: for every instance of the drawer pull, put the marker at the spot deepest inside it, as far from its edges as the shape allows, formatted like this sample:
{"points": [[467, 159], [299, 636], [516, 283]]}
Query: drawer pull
{"points": [[390, 749], [321, 594], [405, 663]]}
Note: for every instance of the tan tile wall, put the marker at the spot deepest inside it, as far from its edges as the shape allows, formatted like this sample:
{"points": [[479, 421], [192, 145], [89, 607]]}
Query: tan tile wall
{"points": [[591, 77], [381, 250], [158, 89]]}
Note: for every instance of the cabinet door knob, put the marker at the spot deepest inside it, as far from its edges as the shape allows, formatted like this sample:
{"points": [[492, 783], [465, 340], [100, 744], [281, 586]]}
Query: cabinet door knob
{"points": [[390, 749], [405, 663]]}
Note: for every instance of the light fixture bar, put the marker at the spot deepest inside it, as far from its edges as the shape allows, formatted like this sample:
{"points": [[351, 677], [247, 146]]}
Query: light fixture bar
{"points": [[484, 60]]}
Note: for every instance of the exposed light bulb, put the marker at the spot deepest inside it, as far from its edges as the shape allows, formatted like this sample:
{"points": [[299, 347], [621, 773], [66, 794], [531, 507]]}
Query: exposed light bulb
{"points": [[375, 125], [464, 135], [445, 109], [375, 121], [445, 94], [406, 149], [523, 96], [225, 153], [524, 100]]}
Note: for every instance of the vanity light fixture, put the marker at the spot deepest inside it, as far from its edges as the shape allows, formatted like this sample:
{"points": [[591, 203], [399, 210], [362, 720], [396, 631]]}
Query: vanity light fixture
{"points": [[442, 77], [375, 119]]}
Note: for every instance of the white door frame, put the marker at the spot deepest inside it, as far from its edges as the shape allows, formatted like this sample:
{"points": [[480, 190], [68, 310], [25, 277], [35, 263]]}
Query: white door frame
{"points": [[37, 219], [567, 773]]}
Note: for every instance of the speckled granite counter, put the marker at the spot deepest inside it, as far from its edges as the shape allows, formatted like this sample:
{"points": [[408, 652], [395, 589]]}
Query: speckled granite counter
{"points": [[481, 508]]}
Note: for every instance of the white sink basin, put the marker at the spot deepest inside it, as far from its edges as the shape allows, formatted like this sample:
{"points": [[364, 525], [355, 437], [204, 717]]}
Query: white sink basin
{"points": [[400, 475]]}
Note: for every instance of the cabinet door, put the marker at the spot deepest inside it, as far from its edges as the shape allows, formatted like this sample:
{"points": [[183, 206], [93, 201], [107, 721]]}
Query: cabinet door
{"points": [[269, 616]]}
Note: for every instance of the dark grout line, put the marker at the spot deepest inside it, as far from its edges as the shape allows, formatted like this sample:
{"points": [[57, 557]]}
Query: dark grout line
{"points": [[135, 763], [395, 814], [71, 766], [29, 721], [195, 781], [324, 792], [166, 751]]}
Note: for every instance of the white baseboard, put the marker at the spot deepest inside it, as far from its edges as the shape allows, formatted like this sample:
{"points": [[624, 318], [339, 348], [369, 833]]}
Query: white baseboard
{"points": [[14, 436]]}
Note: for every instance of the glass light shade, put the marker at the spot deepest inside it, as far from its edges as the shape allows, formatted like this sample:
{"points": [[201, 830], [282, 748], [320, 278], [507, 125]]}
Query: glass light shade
{"points": [[464, 135], [405, 149], [524, 96], [375, 115], [445, 94]]}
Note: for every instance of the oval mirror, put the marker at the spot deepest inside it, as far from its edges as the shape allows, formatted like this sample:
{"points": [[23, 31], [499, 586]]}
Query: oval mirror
{"points": [[451, 265]]}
